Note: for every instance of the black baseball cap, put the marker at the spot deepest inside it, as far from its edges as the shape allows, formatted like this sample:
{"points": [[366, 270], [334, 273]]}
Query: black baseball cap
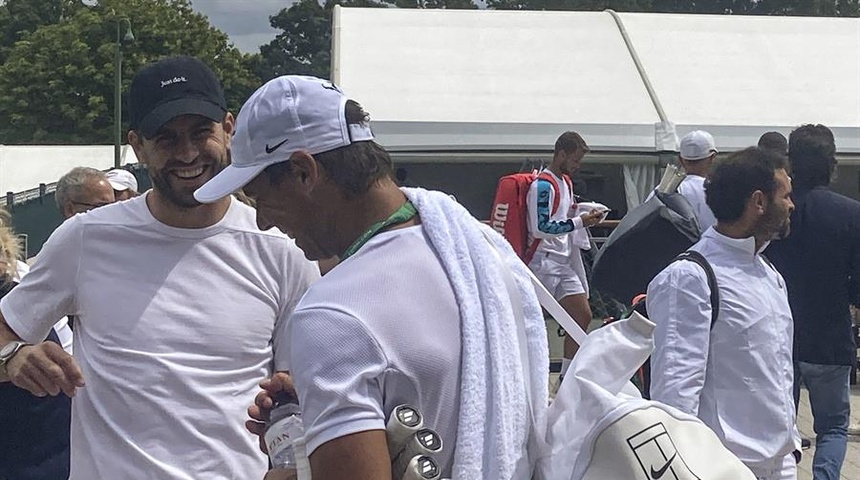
{"points": [[172, 87]]}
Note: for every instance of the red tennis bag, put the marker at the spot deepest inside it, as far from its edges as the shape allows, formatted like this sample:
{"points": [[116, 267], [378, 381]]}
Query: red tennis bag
{"points": [[509, 213]]}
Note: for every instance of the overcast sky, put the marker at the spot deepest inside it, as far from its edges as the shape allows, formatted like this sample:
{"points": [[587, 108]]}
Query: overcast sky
{"points": [[245, 21]]}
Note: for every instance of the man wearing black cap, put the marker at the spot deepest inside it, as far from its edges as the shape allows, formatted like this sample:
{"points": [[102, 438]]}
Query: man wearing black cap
{"points": [[169, 364]]}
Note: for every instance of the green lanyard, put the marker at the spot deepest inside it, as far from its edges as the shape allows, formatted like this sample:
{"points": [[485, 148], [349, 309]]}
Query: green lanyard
{"points": [[404, 213]]}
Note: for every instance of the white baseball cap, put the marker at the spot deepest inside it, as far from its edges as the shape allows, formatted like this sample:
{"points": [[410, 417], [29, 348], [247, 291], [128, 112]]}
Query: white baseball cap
{"points": [[697, 145], [121, 180], [285, 115]]}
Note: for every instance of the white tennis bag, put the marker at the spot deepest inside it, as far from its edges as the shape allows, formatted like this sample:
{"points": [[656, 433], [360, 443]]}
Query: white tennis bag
{"points": [[600, 428]]}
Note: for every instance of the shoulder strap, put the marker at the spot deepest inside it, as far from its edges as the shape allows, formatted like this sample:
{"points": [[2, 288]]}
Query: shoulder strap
{"points": [[569, 183], [546, 299], [557, 197], [701, 261]]}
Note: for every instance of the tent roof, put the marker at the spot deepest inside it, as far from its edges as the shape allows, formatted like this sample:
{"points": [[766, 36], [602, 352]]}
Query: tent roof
{"points": [[484, 79]]}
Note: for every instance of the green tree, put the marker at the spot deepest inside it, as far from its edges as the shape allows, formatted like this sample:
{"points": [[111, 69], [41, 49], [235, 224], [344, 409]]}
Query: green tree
{"points": [[846, 8], [304, 45], [20, 17], [57, 83], [452, 4], [817, 8], [577, 5]]}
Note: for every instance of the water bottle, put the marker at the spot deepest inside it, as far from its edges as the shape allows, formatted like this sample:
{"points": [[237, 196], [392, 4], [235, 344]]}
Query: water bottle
{"points": [[285, 438]]}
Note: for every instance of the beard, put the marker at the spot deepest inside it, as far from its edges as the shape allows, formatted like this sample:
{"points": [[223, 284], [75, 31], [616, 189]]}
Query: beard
{"points": [[178, 196], [776, 223], [783, 230]]}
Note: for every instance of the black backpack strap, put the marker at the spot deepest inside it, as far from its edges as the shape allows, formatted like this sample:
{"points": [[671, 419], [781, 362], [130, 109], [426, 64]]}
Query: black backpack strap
{"points": [[6, 286], [701, 261]]}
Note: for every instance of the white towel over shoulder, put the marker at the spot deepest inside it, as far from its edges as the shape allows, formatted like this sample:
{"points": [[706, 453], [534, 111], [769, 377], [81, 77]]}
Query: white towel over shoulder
{"points": [[496, 421]]}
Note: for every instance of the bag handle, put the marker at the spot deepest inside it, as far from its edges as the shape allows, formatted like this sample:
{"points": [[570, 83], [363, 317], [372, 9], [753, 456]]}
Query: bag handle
{"points": [[545, 298]]}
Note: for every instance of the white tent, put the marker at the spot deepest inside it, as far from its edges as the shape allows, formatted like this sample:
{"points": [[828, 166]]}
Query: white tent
{"points": [[468, 86], [484, 79]]}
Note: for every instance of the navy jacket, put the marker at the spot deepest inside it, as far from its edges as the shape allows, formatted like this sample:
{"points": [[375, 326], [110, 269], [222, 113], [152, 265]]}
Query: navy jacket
{"points": [[820, 260], [34, 432]]}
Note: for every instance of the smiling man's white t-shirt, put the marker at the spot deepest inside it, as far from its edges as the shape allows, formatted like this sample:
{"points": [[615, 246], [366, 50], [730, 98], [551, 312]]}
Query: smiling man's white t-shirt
{"points": [[173, 332]]}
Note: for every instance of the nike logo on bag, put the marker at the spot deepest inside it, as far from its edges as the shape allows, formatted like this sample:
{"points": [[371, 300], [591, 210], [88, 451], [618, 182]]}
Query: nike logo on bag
{"points": [[331, 86], [656, 474], [272, 149]]}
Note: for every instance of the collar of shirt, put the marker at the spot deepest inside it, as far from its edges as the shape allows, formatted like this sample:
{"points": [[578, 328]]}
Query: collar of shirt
{"points": [[746, 245]]}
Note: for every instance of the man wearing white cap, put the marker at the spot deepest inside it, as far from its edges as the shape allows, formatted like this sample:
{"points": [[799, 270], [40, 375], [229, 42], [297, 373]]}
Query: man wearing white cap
{"points": [[417, 311], [124, 184], [697, 155]]}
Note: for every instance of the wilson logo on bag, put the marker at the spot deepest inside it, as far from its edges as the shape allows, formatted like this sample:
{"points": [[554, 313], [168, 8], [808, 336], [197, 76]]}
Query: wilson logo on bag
{"points": [[509, 213]]}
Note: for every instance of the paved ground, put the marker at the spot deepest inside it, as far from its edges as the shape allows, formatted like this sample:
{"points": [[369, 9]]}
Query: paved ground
{"points": [[851, 467]]}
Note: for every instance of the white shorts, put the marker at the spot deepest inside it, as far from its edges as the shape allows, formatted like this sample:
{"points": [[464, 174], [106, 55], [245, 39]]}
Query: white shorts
{"points": [[563, 277]]}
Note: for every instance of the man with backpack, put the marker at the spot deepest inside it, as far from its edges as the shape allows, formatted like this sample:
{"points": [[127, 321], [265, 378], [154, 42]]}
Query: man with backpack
{"points": [[551, 225], [736, 375]]}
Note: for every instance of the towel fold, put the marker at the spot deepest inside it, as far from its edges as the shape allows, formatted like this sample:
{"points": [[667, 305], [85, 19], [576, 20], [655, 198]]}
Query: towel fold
{"points": [[497, 422]]}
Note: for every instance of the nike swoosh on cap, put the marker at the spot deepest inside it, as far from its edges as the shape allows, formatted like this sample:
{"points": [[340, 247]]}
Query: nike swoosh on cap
{"points": [[272, 149]]}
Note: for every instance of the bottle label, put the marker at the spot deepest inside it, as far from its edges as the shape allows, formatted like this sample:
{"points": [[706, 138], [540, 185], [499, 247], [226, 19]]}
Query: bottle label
{"points": [[279, 441]]}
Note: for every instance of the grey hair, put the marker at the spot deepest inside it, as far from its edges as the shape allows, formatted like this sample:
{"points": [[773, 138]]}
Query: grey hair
{"points": [[75, 181]]}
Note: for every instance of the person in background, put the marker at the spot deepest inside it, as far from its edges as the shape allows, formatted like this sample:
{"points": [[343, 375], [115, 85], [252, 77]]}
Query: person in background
{"points": [[697, 154], [820, 260], [124, 184], [78, 191], [557, 262], [774, 141], [777, 143], [83, 189], [736, 375], [172, 345], [34, 444]]}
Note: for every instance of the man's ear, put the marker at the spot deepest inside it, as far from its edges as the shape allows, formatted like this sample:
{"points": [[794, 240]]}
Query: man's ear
{"points": [[305, 171], [229, 125], [136, 142], [759, 200]]}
